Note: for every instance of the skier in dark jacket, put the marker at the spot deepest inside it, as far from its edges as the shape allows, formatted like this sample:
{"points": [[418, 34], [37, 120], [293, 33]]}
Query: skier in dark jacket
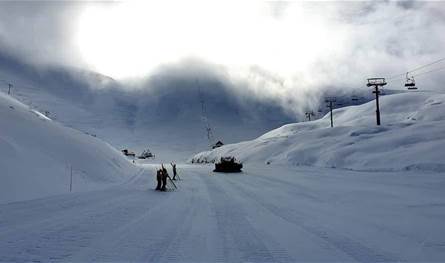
{"points": [[159, 179], [174, 171], [164, 178]]}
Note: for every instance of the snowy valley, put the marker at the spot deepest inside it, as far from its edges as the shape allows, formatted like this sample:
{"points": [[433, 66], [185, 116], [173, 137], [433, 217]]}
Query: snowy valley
{"points": [[308, 192], [222, 131]]}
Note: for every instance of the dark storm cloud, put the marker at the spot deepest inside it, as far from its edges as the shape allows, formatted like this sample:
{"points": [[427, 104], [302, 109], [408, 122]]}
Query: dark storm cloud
{"points": [[408, 4], [40, 32]]}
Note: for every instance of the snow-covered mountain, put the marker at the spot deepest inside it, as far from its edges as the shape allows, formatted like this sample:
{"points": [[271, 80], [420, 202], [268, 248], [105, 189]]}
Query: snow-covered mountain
{"points": [[37, 154], [162, 113], [412, 137]]}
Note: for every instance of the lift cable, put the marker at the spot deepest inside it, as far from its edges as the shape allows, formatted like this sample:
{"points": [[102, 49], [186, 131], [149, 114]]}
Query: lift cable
{"points": [[415, 69], [416, 75], [431, 71]]}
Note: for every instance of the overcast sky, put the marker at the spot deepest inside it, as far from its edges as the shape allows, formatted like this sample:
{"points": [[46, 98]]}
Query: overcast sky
{"points": [[278, 47]]}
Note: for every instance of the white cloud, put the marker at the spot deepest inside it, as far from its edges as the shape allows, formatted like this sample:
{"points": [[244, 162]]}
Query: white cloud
{"points": [[39, 32], [288, 51]]}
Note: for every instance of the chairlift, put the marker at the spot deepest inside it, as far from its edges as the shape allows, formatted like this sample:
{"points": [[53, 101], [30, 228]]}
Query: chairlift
{"points": [[410, 82]]}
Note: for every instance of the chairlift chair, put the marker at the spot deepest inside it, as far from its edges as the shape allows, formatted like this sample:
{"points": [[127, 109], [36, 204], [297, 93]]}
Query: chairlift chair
{"points": [[410, 82]]}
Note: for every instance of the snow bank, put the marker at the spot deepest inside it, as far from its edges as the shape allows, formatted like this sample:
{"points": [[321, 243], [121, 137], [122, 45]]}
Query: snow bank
{"points": [[412, 137], [36, 154]]}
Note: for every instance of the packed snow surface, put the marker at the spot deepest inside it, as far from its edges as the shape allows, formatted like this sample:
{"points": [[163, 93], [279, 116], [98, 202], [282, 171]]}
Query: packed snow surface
{"points": [[412, 136], [266, 214], [37, 156]]}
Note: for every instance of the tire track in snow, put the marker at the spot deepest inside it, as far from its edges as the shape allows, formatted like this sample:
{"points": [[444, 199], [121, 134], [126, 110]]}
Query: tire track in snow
{"points": [[175, 251], [141, 238], [131, 240], [19, 212], [302, 191], [62, 226], [184, 239], [58, 205], [133, 178], [61, 235], [349, 246], [157, 235], [195, 234], [34, 213], [238, 235]]}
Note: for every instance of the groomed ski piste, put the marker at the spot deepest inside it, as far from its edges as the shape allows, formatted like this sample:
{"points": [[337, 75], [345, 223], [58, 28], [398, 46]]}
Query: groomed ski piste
{"points": [[383, 201]]}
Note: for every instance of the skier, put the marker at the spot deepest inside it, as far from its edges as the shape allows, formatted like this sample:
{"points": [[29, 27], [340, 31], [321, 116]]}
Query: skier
{"points": [[164, 178], [174, 171], [159, 179]]}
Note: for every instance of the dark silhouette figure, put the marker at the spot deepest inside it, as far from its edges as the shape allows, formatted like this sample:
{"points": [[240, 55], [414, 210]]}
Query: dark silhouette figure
{"points": [[164, 179], [174, 171], [159, 179]]}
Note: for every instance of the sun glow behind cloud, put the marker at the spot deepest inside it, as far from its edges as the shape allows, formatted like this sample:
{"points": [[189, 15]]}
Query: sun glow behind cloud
{"points": [[129, 39]]}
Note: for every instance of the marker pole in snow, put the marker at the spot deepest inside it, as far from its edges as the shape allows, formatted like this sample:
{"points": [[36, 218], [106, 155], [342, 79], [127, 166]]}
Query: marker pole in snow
{"points": [[9, 88], [376, 83], [71, 178]]}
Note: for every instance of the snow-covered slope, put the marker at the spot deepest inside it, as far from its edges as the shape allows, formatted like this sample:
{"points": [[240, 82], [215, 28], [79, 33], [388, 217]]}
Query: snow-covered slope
{"points": [[412, 137], [36, 155], [162, 112]]}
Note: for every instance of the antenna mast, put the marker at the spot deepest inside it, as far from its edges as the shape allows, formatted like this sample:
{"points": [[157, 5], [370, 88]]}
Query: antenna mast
{"points": [[204, 118]]}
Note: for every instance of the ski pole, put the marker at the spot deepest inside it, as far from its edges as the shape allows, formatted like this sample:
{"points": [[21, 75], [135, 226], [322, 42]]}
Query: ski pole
{"points": [[171, 181]]}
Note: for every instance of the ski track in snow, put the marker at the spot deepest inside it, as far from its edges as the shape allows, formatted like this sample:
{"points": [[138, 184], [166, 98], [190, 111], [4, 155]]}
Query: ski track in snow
{"points": [[352, 248], [237, 232], [251, 217]]}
